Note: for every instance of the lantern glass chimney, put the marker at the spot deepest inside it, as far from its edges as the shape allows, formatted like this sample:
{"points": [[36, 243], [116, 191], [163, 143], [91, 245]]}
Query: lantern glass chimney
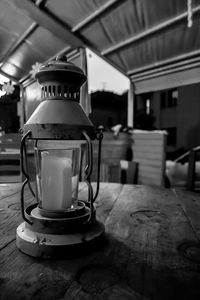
{"points": [[57, 177]]}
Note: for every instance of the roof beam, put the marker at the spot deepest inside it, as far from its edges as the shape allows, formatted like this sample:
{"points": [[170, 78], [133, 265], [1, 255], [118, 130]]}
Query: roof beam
{"points": [[22, 38], [51, 23], [167, 71], [150, 31], [178, 60], [18, 42], [100, 11]]}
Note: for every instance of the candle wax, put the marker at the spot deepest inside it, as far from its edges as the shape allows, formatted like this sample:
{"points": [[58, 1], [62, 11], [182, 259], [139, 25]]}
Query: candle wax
{"points": [[56, 182]]}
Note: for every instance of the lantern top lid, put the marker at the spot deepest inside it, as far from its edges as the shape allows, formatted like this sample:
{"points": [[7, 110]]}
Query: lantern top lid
{"points": [[60, 70], [59, 115]]}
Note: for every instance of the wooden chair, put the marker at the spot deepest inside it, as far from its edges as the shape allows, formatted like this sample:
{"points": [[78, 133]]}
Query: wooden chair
{"points": [[129, 171], [122, 172], [10, 141], [9, 167], [110, 172], [149, 152], [192, 172]]}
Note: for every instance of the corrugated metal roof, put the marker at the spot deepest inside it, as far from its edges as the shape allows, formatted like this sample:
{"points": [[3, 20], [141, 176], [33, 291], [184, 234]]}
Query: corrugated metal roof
{"points": [[136, 36]]}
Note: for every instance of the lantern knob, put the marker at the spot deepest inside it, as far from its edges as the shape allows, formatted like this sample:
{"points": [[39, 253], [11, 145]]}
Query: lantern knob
{"points": [[61, 58]]}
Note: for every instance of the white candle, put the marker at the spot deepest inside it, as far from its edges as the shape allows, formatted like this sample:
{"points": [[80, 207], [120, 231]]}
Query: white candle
{"points": [[56, 181]]}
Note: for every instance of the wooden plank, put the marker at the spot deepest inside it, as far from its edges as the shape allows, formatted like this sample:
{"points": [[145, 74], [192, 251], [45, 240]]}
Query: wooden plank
{"points": [[10, 212], [148, 136], [146, 174], [108, 194], [146, 149], [10, 167], [149, 152], [147, 155], [8, 189], [150, 162], [190, 204], [149, 180], [148, 142], [138, 260], [149, 176], [15, 155], [156, 170], [10, 179], [47, 281], [14, 168], [148, 226]]}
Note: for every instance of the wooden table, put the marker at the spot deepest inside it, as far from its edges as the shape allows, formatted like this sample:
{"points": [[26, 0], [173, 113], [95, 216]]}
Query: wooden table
{"points": [[151, 249]]}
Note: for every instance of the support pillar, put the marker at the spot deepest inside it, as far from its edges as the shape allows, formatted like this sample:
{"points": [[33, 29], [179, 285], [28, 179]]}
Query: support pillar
{"points": [[130, 106], [85, 100]]}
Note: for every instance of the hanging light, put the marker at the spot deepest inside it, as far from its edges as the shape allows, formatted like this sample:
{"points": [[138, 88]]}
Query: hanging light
{"points": [[189, 14], [58, 221]]}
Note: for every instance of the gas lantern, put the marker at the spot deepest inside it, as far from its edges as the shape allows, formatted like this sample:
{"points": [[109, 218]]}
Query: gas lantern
{"points": [[58, 222]]}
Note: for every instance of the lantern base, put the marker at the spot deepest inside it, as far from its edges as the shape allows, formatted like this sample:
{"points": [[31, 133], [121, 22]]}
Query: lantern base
{"points": [[58, 245]]}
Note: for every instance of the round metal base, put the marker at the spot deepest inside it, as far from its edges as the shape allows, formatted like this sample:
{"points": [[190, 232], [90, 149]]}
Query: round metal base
{"points": [[58, 245]]}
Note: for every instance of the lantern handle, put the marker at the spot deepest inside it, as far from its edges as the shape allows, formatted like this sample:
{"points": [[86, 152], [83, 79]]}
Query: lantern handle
{"points": [[88, 171], [99, 137], [90, 198], [22, 151], [89, 167]]}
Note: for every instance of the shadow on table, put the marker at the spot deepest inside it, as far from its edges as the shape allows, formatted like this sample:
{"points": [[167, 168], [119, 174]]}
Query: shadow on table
{"points": [[113, 271]]}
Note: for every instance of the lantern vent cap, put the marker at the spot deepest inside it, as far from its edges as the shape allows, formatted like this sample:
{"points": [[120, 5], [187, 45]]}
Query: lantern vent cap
{"points": [[61, 70]]}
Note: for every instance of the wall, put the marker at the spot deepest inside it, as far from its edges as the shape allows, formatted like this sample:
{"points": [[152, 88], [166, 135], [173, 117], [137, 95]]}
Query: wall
{"points": [[9, 118], [155, 107], [108, 109], [185, 117], [104, 116], [188, 116]]}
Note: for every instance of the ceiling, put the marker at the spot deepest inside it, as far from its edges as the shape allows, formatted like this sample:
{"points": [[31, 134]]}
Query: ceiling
{"points": [[139, 37]]}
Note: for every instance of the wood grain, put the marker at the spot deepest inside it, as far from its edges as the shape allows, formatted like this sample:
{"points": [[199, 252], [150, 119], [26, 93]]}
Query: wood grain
{"points": [[149, 152], [142, 256], [152, 226]]}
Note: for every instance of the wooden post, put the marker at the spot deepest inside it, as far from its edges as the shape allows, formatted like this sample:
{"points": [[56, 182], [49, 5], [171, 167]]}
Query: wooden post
{"points": [[191, 171], [130, 106], [85, 100], [22, 113]]}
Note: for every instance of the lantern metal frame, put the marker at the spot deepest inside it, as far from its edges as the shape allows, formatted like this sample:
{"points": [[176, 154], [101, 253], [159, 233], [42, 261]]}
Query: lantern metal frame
{"points": [[88, 171], [75, 229]]}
